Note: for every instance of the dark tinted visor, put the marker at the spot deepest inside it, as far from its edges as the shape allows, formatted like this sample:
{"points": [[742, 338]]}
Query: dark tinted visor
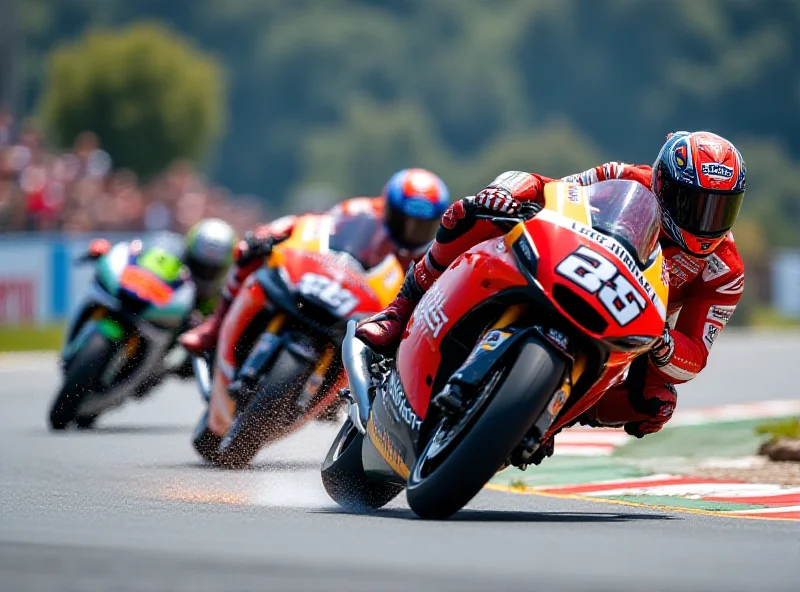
{"points": [[407, 231], [700, 212], [204, 271]]}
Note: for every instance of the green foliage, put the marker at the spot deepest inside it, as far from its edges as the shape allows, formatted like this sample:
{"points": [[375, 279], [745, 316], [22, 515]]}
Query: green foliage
{"points": [[344, 92], [785, 428], [149, 95]]}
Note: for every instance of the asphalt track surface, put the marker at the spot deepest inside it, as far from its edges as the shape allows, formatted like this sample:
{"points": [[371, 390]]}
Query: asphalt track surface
{"points": [[129, 507]]}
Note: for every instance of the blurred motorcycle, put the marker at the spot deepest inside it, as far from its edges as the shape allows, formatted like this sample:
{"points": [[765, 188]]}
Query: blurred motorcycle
{"points": [[289, 367], [121, 339]]}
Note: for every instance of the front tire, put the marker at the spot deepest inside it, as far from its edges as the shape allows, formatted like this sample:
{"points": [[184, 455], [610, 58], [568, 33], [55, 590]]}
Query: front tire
{"points": [[438, 490], [206, 442], [82, 375], [344, 478], [269, 415]]}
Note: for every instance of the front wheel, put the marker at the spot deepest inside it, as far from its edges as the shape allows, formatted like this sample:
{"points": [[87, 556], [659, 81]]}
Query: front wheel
{"points": [[270, 413], [82, 375], [206, 442], [460, 457], [344, 478]]}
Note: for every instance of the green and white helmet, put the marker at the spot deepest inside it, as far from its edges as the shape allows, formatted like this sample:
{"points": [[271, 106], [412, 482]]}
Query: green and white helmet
{"points": [[209, 252]]}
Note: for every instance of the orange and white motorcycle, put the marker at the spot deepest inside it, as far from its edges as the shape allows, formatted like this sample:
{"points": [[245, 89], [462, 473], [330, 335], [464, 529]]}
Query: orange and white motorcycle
{"points": [[293, 314]]}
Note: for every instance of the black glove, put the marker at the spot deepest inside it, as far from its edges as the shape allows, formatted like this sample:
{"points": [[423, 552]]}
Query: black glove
{"points": [[255, 247]]}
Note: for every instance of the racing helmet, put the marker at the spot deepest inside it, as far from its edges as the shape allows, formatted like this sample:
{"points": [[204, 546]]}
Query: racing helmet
{"points": [[209, 252], [415, 200], [699, 179]]}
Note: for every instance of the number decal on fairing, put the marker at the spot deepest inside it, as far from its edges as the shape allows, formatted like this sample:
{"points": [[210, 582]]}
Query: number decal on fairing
{"points": [[597, 275], [327, 291]]}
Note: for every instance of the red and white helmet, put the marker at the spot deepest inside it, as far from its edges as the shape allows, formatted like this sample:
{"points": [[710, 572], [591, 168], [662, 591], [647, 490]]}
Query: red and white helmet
{"points": [[699, 178]]}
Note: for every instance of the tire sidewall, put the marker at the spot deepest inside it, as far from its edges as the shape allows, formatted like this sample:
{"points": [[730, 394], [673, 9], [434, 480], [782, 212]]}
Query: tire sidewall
{"points": [[500, 425]]}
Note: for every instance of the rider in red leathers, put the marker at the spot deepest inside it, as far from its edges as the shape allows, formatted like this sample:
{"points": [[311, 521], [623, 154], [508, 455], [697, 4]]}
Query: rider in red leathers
{"points": [[410, 206], [699, 179]]}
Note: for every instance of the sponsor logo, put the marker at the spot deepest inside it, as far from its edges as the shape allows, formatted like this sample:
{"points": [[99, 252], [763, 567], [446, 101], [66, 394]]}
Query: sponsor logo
{"points": [[387, 448], [691, 265], [431, 310], [493, 339], [573, 194], [395, 396], [710, 332], [558, 338], [665, 273], [721, 314], [557, 402], [715, 267], [717, 171], [17, 300], [680, 156]]}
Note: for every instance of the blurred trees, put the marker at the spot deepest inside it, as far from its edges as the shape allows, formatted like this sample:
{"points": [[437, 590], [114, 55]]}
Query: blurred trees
{"points": [[149, 95], [346, 91]]}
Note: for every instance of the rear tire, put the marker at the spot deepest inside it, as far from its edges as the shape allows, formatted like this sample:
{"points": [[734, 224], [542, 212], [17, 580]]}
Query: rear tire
{"points": [[344, 478], [82, 375], [495, 432], [269, 415]]}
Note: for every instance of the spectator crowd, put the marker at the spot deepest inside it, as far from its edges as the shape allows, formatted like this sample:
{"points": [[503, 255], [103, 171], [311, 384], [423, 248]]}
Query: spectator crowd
{"points": [[78, 190]]}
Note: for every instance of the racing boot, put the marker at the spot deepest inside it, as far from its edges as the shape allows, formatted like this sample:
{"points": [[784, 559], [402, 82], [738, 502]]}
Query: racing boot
{"points": [[203, 338], [382, 332]]}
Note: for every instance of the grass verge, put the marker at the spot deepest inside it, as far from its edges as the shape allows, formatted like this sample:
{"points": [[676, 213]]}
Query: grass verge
{"points": [[31, 337]]}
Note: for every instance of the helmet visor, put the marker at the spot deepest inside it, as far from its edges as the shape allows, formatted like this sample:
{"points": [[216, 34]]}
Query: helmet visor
{"points": [[408, 231], [204, 271], [701, 212]]}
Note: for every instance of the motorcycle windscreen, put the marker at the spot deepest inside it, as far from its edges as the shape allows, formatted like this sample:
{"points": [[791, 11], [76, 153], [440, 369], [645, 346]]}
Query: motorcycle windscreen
{"points": [[628, 212], [363, 236]]}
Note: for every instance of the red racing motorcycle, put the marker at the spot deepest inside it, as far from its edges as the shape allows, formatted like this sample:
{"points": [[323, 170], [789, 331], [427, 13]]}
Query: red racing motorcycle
{"points": [[289, 323], [517, 338]]}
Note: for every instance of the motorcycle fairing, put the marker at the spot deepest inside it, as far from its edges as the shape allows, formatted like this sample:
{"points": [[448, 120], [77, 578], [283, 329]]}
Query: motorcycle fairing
{"points": [[496, 266]]}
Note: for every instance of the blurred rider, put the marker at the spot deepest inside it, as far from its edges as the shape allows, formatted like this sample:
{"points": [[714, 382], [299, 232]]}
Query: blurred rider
{"points": [[207, 251], [411, 204], [699, 179]]}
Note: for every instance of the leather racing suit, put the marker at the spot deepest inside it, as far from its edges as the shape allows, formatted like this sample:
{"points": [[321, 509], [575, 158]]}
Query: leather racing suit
{"points": [[703, 295]]}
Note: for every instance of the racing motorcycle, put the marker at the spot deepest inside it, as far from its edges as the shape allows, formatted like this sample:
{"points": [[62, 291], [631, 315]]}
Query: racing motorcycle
{"points": [[289, 361], [121, 338], [517, 338]]}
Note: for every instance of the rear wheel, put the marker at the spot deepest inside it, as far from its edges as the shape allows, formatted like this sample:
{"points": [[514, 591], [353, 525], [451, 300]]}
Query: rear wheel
{"points": [[462, 455], [270, 413], [81, 377], [344, 478]]}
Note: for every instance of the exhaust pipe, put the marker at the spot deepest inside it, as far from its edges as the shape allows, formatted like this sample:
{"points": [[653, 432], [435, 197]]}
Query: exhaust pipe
{"points": [[357, 358]]}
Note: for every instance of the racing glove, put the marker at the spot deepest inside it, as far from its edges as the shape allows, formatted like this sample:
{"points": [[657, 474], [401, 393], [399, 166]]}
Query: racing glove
{"points": [[661, 352], [497, 199]]}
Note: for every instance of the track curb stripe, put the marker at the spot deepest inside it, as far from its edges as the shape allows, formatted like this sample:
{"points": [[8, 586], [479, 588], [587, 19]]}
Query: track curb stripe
{"points": [[787, 515]]}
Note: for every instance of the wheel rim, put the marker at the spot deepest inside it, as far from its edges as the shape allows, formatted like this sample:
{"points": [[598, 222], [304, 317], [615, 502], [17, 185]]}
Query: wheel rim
{"points": [[446, 435]]}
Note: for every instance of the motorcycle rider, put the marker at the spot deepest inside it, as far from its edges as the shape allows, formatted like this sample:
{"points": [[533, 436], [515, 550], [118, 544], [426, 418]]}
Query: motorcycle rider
{"points": [[207, 251], [411, 204], [699, 179]]}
